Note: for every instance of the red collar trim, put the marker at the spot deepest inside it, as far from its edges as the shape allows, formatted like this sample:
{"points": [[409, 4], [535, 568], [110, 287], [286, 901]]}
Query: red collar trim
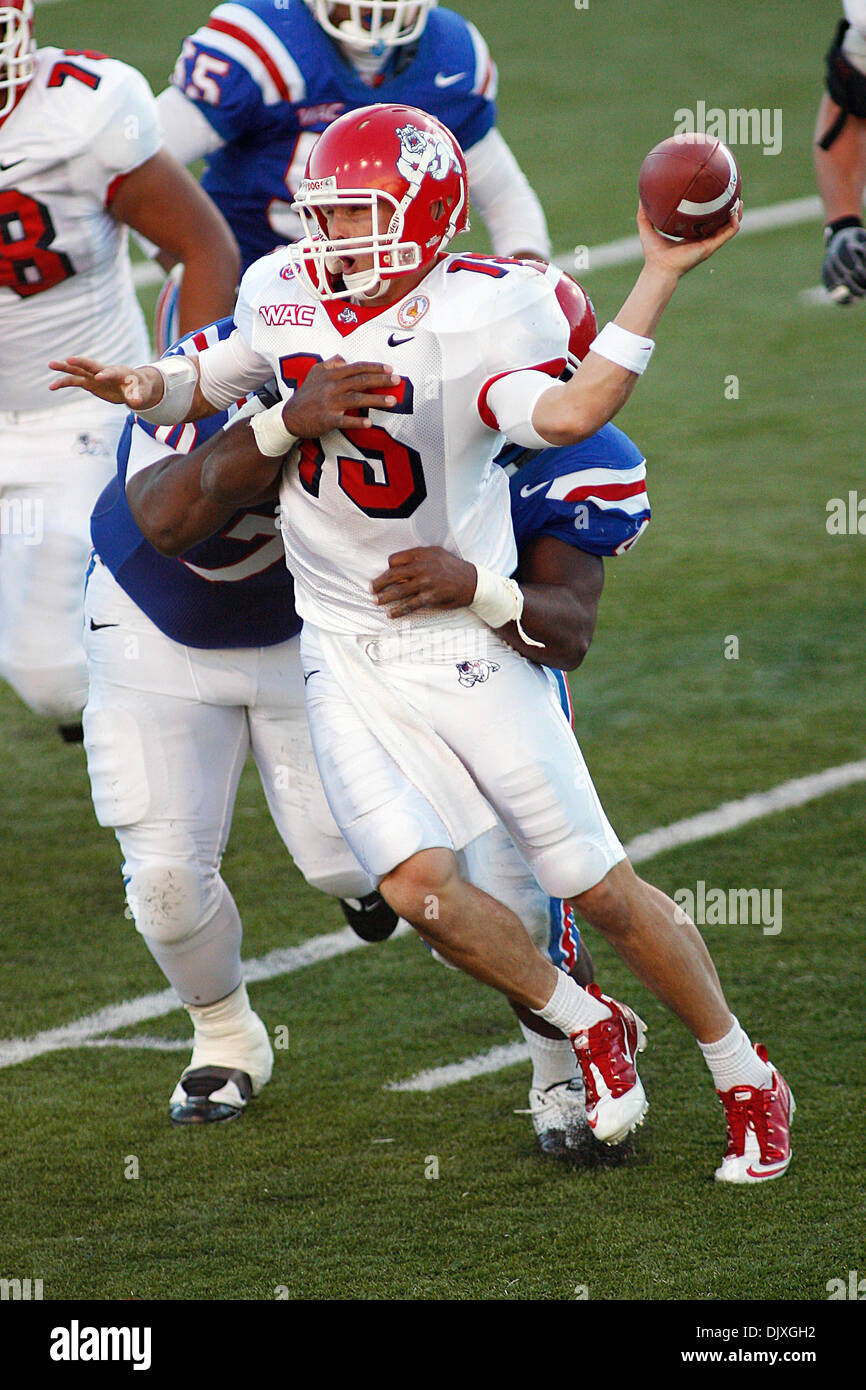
{"points": [[346, 317]]}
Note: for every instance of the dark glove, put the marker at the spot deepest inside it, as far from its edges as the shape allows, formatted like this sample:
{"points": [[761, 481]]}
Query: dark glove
{"points": [[844, 269]]}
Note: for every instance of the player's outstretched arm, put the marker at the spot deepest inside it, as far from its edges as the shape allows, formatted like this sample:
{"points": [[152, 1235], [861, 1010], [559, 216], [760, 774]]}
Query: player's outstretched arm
{"points": [[507, 202], [250, 455], [561, 588], [138, 388], [566, 414], [164, 203]]}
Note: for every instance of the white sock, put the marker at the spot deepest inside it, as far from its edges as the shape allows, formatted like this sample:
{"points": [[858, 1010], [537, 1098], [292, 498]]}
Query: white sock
{"points": [[230, 1033], [570, 1008], [553, 1059], [734, 1062], [226, 1018]]}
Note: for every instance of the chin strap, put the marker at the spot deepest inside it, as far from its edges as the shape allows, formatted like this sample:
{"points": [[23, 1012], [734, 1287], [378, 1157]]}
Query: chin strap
{"points": [[369, 291]]}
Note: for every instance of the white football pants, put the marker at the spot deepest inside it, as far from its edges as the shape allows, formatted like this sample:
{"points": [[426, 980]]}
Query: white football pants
{"points": [[502, 718], [167, 729], [53, 465]]}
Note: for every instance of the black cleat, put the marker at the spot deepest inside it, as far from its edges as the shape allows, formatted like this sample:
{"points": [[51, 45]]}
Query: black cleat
{"points": [[370, 918], [209, 1094], [71, 733]]}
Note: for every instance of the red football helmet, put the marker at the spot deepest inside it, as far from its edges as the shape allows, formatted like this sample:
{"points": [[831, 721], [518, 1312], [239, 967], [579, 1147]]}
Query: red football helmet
{"points": [[577, 306], [376, 25], [391, 157], [17, 62]]}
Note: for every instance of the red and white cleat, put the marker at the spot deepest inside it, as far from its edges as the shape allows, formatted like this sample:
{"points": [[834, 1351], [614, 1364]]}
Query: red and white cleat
{"points": [[759, 1129], [615, 1099]]}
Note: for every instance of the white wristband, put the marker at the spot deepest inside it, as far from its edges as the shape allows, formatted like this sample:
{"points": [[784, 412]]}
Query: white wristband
{"points": [[499, 601], [626, 349], [179, 380], [272, 437]]}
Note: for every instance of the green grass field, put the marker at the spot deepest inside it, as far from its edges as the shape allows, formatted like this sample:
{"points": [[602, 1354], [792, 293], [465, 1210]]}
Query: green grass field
{"points": [[320, 1192]]}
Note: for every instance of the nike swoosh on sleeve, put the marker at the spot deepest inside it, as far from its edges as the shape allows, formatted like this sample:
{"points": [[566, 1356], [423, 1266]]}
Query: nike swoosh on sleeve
{"points": [[443, 79]]}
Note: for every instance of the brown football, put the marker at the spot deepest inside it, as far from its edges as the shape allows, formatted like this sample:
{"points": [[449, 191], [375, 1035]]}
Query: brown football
{"points": [[688, 186]]}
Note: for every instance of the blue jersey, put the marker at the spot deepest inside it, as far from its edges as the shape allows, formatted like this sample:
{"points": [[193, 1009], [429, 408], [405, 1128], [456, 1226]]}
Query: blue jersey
{"points": [[591, 495], [232, 590], [270, 80]]}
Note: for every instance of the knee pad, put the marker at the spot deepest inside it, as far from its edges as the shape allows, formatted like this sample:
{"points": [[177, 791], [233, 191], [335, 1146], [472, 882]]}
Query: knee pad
{"points": [[192, 928], [168, 902]]}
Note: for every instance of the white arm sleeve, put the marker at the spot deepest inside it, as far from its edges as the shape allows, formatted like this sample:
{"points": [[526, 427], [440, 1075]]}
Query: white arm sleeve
{"points": [[188, 134], [503, 195], [512, 399], [230, 369]]}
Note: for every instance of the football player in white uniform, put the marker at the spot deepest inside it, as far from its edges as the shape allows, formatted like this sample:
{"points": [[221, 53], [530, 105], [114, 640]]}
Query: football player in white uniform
{"points": [[404, 744], [193, 655], [840, 157], [81, 158]]}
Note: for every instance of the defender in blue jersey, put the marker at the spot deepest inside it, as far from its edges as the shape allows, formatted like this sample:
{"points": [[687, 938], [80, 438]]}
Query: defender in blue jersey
{"points": [[257, 84]]}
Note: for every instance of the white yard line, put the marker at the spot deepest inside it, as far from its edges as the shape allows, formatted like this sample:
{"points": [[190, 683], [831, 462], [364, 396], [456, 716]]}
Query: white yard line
{"points": [[148, 1006], [732, 814], [627, 249], [482, 1064], [729, 816]]}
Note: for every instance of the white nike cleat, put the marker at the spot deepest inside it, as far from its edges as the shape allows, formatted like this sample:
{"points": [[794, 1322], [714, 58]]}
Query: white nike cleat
{"points": [[759, 1130], [615, 1099]]}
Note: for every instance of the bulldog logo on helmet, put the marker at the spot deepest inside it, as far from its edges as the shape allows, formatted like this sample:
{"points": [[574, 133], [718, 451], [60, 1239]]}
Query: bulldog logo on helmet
{"points": [[425, 153]]}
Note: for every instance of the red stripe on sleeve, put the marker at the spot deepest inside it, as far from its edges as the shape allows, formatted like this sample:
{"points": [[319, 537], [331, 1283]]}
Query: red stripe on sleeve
{"points": [[222, 27], [609, 491]]}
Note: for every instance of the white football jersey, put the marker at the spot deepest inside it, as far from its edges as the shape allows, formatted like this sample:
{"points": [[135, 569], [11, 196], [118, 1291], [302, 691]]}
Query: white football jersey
{"points": [[65, 279], [424, 474]]}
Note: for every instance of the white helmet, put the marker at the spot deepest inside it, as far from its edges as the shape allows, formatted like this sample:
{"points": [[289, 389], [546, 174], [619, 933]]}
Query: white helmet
{"points": [[377, 25], [17, 62]]}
